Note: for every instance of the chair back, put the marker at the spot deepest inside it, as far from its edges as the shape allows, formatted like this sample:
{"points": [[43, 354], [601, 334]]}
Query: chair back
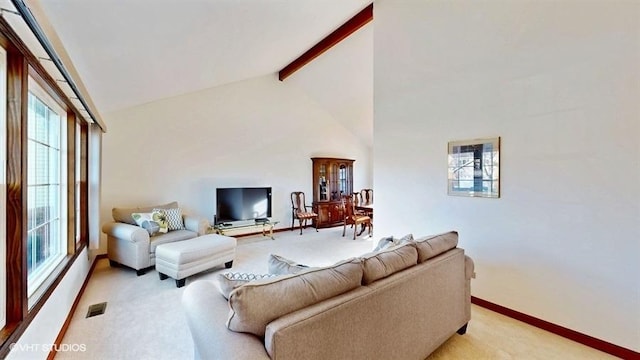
{"points": [[298, 202], [357, 198], [348, 206], [366, 195]]}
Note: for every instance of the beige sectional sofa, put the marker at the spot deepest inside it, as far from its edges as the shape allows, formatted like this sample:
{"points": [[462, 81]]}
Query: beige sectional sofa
{"points": [[398, 303]]}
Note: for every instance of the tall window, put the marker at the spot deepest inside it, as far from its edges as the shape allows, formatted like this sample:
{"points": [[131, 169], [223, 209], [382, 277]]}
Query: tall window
{"points": [[38, 150], [46, 198], [3, 185]]}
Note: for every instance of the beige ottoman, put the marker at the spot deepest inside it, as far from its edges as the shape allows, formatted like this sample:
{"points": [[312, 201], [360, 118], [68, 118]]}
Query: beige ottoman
{"points": [[181, 259]]}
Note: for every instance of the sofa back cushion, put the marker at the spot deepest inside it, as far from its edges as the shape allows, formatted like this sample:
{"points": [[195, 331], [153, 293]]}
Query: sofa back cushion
{"points": [[433, 245], [380, 264], [255, 304], [123, 215]]}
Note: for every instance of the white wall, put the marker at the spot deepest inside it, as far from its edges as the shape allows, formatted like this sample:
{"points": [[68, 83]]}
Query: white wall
{"points": [[257, 132], [37, 340], [340, 80], [559, 82]]}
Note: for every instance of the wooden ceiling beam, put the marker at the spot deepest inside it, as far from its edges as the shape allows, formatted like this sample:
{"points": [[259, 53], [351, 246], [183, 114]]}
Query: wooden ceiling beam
{"points": [[341, 33]]}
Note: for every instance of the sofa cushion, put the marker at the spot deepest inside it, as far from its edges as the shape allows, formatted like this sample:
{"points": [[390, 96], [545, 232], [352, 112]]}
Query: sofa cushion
{"points": [[171, 236], [280, 265], [229, 281], [124, 214], [433, 245], [380, 264], [257, 303]]}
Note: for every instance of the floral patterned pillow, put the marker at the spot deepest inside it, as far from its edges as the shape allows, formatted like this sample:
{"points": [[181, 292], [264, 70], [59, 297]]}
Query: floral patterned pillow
{"points": [[154, 222]]}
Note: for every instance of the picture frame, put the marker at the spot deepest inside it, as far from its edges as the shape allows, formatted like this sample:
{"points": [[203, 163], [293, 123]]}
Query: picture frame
{"points": [[474, 168]]}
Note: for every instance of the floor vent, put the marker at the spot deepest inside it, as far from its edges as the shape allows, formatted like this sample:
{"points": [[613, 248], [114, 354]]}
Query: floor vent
{"points": [[96, 309]]}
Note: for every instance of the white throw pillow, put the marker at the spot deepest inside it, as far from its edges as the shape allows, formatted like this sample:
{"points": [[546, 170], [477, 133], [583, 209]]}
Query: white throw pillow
{"points": [[280, 265], [384, 243], [387, 242]]}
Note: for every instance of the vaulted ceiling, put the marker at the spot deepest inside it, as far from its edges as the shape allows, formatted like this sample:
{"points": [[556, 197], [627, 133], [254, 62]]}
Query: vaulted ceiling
{"points": [[130, 52]]}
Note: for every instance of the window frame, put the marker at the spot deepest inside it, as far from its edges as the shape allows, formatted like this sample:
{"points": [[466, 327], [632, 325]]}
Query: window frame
{"points": [[21, 64], [41, 276], [3, 183]]}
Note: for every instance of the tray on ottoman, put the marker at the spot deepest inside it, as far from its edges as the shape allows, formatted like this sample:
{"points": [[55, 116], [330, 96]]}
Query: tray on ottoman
{"points": [[181, 259]]}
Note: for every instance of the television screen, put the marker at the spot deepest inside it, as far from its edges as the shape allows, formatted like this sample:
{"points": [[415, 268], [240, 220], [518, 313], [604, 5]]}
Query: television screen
{"points": [[235, 204]]}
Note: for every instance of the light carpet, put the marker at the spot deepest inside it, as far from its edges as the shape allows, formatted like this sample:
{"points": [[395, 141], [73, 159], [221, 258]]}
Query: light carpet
{"points": [[144, 319]]}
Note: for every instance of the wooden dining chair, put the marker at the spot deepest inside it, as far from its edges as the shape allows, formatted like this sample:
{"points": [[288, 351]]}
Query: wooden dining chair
{"points": [[351, 218], [357, 200], [366, 196], [301, 211]]}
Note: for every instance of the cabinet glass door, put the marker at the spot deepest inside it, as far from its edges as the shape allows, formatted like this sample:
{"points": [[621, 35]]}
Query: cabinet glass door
{"points": [[342, 179], [333, 183], [322, 182]]}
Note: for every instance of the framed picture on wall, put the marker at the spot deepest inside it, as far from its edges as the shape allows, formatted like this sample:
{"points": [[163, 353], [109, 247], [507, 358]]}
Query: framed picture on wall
{"points": [[474, 168]]}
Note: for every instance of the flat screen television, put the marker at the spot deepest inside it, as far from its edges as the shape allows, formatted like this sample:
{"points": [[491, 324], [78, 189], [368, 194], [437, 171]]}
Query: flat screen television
{"points": [[242, 203]]}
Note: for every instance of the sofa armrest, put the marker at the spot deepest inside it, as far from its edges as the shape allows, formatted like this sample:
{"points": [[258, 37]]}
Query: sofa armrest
{"points": [[125, 231], [196, 223], [207, 312], [469, 268]]}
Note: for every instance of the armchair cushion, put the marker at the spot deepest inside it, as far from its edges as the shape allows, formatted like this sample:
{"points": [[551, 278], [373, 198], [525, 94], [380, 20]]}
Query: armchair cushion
{"points": [[171, 236]]}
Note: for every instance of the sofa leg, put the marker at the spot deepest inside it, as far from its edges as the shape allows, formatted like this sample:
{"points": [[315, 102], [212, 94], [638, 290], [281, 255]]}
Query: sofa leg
{"points": [[228, 264], [463, 329], [141, 272], [180, 283], [112, 263], [162, 276]]}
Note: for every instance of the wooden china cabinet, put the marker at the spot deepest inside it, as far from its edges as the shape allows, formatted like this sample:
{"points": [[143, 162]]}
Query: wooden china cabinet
{"points": [[332, 178]]}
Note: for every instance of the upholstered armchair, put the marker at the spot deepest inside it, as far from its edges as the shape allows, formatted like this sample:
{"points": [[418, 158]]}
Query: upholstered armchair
{"points": [[134, 246]]}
